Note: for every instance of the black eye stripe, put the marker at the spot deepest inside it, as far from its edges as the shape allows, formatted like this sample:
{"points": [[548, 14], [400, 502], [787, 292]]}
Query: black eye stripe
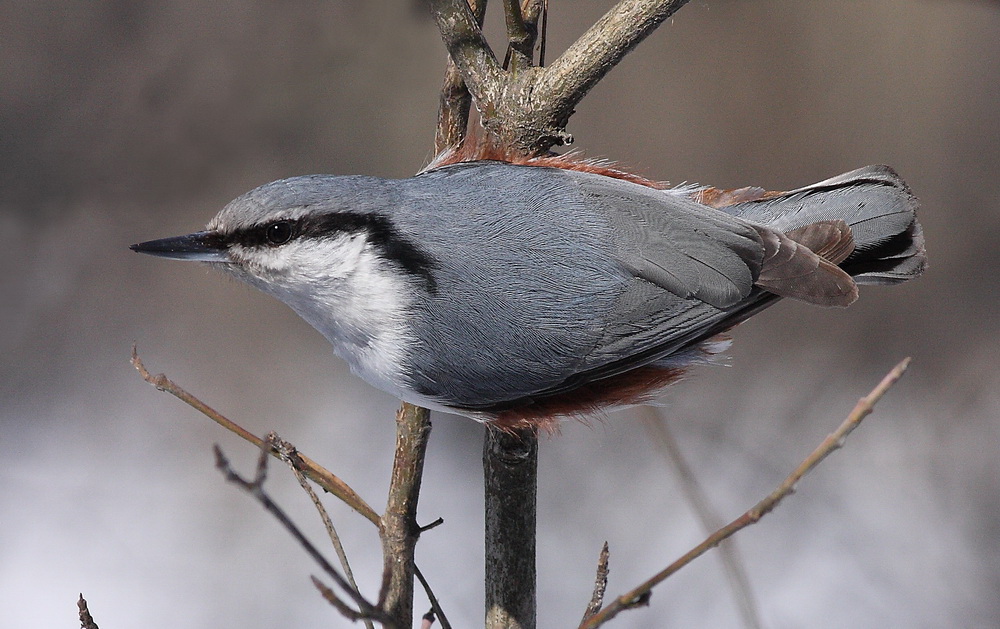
{"points": [[379, 228], [270, 234]]}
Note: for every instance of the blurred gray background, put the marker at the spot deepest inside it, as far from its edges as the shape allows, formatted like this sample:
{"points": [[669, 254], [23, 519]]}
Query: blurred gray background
{"points": [[128, 120]]}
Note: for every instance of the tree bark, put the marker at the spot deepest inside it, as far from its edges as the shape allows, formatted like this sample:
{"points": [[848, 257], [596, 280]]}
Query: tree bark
{"points": [[510, 466], [399, 529]]}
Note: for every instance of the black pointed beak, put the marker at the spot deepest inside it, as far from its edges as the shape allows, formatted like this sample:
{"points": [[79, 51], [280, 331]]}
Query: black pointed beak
{"points": [[207, 246]]}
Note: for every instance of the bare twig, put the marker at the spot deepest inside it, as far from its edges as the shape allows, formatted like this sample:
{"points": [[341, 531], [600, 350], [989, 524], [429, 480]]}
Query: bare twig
{"points": [[255, 488], [435, 605], [314, 471], [399, 524], [567, 80], [640, 595], [86, 620], [600, 584], [709, 519], [285, 451], [331, 597]]}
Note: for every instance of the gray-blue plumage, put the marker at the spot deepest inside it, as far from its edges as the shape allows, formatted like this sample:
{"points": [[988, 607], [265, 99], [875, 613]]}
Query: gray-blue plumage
{"points": [[485, 286], [544, 274]]}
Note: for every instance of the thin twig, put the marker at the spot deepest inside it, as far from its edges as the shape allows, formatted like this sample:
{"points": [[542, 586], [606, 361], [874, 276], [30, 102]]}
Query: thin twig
{"points": [[255, 488], [331, 597], [433, 525], [709, 519], [86, 620], [835, 440], [285, 451], [600, 584], [544, 31], [314, 471], [435, 605]]}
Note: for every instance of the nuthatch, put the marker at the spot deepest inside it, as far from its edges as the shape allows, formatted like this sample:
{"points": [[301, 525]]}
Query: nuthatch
{"points": [[515, 293]]}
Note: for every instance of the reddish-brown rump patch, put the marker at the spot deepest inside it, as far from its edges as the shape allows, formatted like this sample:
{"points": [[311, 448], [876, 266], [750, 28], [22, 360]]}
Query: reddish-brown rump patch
{"points": [[637, 386]]}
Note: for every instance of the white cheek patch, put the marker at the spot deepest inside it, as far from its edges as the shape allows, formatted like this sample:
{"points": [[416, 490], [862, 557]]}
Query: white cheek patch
{"points": [[304, 260], [347, 291]]}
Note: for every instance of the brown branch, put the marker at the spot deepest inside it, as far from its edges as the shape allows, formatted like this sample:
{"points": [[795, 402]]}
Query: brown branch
{"points": [[331, 597], [567, 80], [314, 471], [468, 49], [455, 102], [834, 441], [86, 620], [285, 451], [528, 108], [255, 488], [401, 511], [399, 530], [600, 584]]}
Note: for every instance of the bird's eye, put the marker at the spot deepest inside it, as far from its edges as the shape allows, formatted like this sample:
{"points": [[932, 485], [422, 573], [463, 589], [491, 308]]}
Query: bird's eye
{"points": [[278, 233]]}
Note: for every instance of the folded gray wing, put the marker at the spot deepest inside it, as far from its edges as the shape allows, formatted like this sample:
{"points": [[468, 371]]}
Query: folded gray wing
{"points": [[689, 249], [548, 278]]}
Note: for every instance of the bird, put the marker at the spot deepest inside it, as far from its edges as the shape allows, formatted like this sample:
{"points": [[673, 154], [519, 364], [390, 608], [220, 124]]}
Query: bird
{"points": [[520, 291]]}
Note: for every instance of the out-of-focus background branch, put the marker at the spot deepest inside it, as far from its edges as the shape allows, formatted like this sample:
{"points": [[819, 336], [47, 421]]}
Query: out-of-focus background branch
{"points": [[123, 121]]}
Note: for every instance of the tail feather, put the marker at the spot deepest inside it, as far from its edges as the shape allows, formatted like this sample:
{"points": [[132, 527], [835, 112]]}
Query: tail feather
{"points": [[873, 201], [802, 263]]}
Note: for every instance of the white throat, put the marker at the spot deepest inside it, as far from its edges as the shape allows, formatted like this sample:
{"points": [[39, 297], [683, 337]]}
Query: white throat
{"points": [[344, 289]]}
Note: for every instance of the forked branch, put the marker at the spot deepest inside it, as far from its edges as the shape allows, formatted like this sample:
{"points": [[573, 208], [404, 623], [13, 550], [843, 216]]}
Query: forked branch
{"points": [[527, 107], [255, 487]]}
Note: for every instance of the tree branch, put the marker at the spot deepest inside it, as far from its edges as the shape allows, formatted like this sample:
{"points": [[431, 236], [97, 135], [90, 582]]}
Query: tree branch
{"points": [[528, 108], [640, 595], [520, 38], [255, 488], [314, 471], [563, 85], [455, 102], [399, 530], [285, 451], [469, 50]]}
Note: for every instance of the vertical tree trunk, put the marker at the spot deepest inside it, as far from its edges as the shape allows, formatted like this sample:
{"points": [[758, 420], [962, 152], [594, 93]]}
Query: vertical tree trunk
{"points": [[510, 466]]}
